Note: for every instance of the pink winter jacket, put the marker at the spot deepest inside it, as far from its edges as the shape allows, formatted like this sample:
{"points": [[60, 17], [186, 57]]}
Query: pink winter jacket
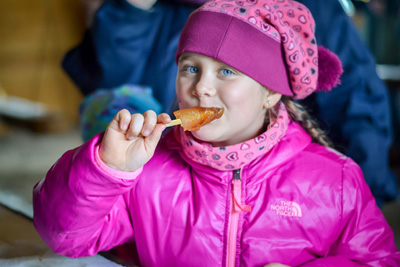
{"points": [[309, 206]]}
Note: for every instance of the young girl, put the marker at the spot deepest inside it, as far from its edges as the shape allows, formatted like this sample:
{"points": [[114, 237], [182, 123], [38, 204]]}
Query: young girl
{"points": [[258, 186]]}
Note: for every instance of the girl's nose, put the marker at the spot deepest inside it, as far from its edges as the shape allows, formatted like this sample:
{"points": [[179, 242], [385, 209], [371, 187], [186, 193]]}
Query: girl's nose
{"points": [[204, 87]]}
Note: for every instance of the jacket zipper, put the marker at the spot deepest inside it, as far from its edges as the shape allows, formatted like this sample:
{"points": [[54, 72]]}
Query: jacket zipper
{"points": [[235, 210]]}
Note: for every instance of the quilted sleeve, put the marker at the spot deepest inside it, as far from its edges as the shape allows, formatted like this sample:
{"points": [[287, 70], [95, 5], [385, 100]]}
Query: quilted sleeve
{"points": [[365, 238], [80, 208]]}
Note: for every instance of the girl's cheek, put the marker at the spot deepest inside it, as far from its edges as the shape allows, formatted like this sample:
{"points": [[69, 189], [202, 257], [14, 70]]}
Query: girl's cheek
{"points": [[180, 93], [182, 88], [183, 98], [233, 97]]}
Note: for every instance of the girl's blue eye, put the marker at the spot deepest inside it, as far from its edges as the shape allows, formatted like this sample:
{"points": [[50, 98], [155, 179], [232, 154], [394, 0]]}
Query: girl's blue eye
{"points": [[192, 69], [226, 72]]}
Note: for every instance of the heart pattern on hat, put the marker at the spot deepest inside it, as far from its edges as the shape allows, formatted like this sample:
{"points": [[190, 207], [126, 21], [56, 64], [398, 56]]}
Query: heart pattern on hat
{"points": [[287, 22]]}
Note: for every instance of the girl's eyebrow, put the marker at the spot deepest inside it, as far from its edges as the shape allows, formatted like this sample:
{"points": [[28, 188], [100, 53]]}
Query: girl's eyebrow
{"points": [[185, 57]]}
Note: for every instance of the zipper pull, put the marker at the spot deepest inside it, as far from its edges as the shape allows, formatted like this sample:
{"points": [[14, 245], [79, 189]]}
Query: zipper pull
{"points": [[237, 193]]}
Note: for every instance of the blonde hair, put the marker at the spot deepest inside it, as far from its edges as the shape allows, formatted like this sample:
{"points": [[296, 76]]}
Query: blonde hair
{"points": [[299, 114]]}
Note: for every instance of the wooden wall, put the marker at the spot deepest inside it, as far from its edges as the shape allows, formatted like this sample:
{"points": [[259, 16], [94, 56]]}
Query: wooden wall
{"points": [[34, 36]]}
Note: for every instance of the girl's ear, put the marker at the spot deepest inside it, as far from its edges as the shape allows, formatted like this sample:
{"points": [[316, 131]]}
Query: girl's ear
{"points": [[272, 99]]}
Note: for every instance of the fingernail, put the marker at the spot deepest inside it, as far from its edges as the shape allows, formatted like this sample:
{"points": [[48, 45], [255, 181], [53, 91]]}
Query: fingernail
{"points": [[124, 127], [146, 132]]}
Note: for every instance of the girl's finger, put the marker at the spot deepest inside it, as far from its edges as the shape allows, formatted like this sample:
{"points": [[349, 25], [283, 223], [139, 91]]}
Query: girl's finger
{"points": [[135, 126], [123, 118], [163, 118], [150, 120]]}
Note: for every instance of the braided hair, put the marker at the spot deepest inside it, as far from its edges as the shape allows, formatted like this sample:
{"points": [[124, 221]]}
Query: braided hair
{"points": [[300, 115]]}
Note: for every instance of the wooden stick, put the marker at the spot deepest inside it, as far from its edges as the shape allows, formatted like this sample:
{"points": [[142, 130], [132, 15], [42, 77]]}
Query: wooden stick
{"points": [[174, 122]]}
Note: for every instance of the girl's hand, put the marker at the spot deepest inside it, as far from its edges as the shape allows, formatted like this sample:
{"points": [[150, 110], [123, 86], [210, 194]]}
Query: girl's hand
{"points": [[276, 265], [130, 140]]}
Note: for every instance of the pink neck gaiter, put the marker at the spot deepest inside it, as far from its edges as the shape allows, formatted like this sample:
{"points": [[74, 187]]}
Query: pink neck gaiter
{"points": [[236, 156]]}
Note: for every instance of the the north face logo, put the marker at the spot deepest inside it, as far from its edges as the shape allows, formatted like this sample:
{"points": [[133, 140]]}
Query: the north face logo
{"points": [[287, 208]]}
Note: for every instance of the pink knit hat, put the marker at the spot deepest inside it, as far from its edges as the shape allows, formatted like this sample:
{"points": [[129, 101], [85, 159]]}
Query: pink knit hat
{"points": [[271, 41]]}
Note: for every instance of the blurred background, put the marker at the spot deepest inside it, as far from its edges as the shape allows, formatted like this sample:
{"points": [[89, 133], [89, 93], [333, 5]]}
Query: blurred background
{"points": [[39, 106], [34, 37]]}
